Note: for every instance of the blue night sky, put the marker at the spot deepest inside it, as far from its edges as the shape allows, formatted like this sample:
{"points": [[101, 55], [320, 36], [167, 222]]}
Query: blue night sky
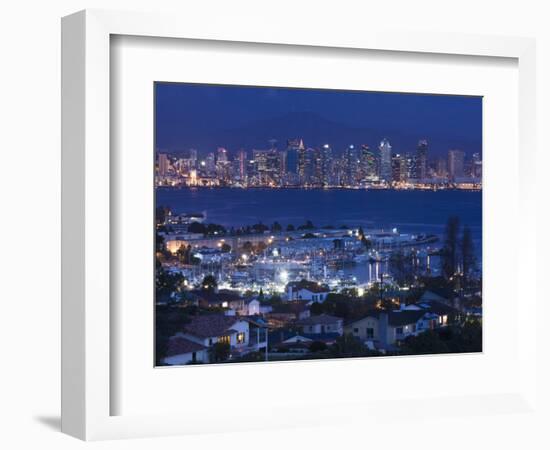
{"points": [[208, 116]]}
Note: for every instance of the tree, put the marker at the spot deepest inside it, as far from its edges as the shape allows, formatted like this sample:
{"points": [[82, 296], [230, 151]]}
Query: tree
{"points": [[196, 227], [276, 227], [168, 321], [219, 352], [160, 214], [307, 226], [449, 254], [316, 309], [347, 345], [317, 346], [401, 267], [259, 227], [290, 227], [366, 242], [425, 343], [467, 251], [209, 283], [225, 248]]}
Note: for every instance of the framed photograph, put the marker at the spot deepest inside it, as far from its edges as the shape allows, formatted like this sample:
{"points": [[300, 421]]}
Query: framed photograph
{"points": [[268, 216]]}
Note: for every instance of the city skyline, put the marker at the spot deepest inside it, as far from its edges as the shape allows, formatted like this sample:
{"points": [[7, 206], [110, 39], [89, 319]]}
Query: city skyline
{"points": [[205, 117]]}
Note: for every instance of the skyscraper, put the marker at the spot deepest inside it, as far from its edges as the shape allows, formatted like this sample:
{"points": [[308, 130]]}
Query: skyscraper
{"points": [[325, 165], [476, 165], [367, 164], [399, 168], [385, 160], [291, 158], [240, 165], [164, 164], [422, 159], [302, 163], [210, 164], [351, 158], [193, 155], [455, 164]]}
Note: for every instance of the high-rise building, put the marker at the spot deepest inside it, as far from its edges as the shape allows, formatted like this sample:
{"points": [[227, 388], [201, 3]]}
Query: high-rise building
{"points": [[302, 162], [164, 164], [399, 168], [441, 167], [455, 164], [222, 155], [267, 167], [367, 164], [477, 166], [422, 159], [385, 160], [210, 164], [193, 156], [351, 158], [325, 165], [292, 154], [240, 165], [410, 165]]}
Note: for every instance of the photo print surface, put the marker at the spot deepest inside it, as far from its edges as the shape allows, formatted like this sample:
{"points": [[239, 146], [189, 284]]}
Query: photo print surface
{"points": [[300, 224]]}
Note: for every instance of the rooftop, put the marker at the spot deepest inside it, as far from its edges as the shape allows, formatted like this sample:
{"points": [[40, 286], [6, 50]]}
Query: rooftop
{"points": [[323, 319], [309, 285], [178, 345], [211, 325]]}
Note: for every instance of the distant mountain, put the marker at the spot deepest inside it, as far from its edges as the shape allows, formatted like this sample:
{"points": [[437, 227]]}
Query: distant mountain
{"points": [[316, 130]]}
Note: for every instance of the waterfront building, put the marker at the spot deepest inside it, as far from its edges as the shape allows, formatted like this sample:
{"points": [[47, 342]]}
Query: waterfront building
{"points": [[267, 167], [351, 159], [385, 160], [367, 164], [399, 168], [210, 164], [441, 167], [455, 164], [193, 156], [410, 166], [239, 168], [302, 163], [292, 154], [325, 165], [164, 164], [422, 160], [476, 166]]}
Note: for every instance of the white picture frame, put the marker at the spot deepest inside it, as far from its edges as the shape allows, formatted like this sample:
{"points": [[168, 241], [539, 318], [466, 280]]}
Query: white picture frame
{"points": [[86, 218]]}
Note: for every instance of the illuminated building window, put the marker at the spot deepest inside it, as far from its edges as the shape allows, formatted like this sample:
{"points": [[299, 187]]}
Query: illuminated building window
{"points": [[240, 338], [224, 339]]}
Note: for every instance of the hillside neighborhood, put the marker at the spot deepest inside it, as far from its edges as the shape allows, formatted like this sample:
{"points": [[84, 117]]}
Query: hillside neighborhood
{"points": [[310, 322]]}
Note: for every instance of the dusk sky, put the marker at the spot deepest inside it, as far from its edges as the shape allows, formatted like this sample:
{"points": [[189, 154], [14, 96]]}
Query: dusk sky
{"points": [[209, 116]]}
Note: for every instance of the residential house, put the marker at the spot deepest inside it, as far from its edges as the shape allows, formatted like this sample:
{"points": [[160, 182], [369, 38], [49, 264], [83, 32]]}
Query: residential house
{"points": [[307, 290], [244, 335], [324, 328], [298, 309], [390, 327], [182, 351]]}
